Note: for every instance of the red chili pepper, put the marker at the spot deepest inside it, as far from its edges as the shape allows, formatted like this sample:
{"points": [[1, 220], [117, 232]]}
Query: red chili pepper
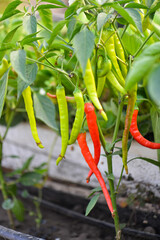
{"points": [[137, 135], [92, 165], [93, 129]]}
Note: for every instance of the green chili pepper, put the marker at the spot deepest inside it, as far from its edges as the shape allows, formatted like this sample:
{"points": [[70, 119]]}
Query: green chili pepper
{"points": [[108, 38], [113, 80], [130, 109], [3, 67], [104, 67], [64, 124], [79, 116], [120, 54], [30, 112], [100, 85], [91, 89]]}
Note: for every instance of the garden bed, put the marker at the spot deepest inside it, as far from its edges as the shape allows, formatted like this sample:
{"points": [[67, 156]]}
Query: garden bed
{"points": [[64, 218]]}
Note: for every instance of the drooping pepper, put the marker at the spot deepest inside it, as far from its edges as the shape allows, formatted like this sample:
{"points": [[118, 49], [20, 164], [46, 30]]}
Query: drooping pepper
{"points": [[78, 117], [92, 165], [93, 129], [64, 123], [137, 135], [30, 112], [130, 108], [91, 89]]}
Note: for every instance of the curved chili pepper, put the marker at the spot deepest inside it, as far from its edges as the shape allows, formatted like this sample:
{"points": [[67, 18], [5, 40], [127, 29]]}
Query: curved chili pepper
{"points": [[128, 119], [3, 67], [92, 165], [120, 54], [93, 129], [79, 116], [137, 135], [104, 67], [113, 80], [30, 112], [64, 124], [91, 89], [100, 85], [110, 48]]}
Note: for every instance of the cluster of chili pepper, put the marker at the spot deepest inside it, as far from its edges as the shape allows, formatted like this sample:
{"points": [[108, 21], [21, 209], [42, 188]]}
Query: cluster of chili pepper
{"points": [[93, 162]]}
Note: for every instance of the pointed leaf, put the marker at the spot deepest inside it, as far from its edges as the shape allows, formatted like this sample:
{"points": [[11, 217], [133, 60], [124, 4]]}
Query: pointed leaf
{"points": [[91, 204], [18, 62], [102, 18], [11, 10], [135, 5], [3, 90], [56, 31], [72, 9], [30, 24], [132, 16], [154, 85], [46, 18], [30, 178], [83, 44], [152, 10], [31, 73], [58, 2], [28, 41], [156, 163], [140, 68], [27, 163], [18, 209], [45, 110], [97, 189], [46, 6]]}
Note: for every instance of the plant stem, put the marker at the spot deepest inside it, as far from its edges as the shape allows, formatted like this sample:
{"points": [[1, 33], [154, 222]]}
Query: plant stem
{"points": [[3, 186], [143, 44], [110, 169]]}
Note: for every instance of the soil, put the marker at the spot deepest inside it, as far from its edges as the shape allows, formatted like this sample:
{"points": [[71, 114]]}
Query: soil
{"points": [[58, 224]]}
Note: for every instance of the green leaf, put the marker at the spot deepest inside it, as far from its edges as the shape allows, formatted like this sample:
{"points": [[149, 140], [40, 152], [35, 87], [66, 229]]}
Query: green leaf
{"points": [[152, 50], [83, 43], [46, 18], [132, 16], [8, 204], [46, 6], [31, 73], [91, 204], [154, 85], [132, 42], [102, 18], [27, 164], [58, 2], [72, 9], [56, 31], [30, 178], [45, 110], [156, 163], [97, 189], [141, 67], [28, 41], [136, 5], [152, 10], [18, 209], [155, 118], [73, 28], [11, 10], [110, 176], [30, 24], [18, 62], [3, 90]]}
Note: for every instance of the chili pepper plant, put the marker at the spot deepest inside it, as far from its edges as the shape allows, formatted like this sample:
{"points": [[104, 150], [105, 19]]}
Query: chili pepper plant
{"points": [[100, 53]]}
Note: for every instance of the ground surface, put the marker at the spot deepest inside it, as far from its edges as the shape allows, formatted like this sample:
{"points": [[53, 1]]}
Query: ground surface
{"points": [[58, 225]]}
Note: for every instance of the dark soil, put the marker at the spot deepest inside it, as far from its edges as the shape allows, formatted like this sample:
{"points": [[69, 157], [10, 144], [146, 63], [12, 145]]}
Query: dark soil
{"points": [[58, 224]]}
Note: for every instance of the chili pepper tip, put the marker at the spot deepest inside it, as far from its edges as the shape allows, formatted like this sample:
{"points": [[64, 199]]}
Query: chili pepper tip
{"points": [[104, 115], [39, 144], [126, 169]]}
